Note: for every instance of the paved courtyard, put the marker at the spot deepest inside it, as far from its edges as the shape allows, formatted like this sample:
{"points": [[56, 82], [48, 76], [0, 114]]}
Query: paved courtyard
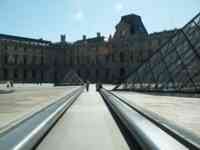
{"points": [[183, 111], [27, 99]]}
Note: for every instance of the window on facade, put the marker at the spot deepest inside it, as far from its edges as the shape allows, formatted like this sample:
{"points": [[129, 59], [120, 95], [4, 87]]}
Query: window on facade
{"points": [[55, 62], [113, 57], [15, 73], [5, 74], [16, 59], [96, 59], [6, 59], [5, 47], [88, 59], [87, 73], [25, 74], [122, 57], [132, 30], [97, 74], [25, 59], [79, 73], [24, 49], [122, 72], [33, 74], [42, 75], [107, 58], [42, 60], [71, 60], [34, 60], [78, 60], [131, 58], [15, 48], [55, 76], [107, 73]]}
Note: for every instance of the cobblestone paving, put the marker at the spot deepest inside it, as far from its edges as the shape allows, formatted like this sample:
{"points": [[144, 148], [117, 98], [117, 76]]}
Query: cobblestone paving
{"points": [[183, 111]]}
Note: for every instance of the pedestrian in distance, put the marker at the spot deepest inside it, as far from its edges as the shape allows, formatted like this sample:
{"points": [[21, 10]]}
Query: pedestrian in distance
{"points": [[8, 84], [87, 85], [98, 86], [12, 83]]}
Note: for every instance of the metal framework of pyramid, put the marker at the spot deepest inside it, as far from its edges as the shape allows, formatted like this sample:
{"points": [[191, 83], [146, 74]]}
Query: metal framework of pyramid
{"points": [[72, 78], [174, 67]]}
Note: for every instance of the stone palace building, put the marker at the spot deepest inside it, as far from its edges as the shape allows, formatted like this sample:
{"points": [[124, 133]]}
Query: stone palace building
{"points": [[95, 59]]}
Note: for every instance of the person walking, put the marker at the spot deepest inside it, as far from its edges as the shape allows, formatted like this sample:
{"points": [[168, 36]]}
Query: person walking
{"points": [[98, 86], [8, 84], [87, 86]]}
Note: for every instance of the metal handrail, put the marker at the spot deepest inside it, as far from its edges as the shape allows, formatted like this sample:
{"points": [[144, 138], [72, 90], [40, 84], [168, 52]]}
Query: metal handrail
{"points": [[29, 132], [147, 134]]}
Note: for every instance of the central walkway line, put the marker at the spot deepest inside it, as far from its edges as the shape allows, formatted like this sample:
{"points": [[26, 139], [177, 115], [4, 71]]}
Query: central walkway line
{"points": [[87, 125]]}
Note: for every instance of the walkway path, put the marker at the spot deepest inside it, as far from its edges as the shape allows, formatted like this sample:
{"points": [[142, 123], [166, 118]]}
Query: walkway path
{"points": [[87, 125]]}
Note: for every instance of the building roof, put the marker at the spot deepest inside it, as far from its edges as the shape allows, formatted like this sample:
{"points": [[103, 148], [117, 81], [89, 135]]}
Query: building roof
{"points": [[91, 40], [23, 39], [135, 22]]}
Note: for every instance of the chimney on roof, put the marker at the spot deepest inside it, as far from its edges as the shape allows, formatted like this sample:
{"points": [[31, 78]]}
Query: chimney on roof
{"points": [[110, 38], [84, 37], [63, 38], [98, 34]]}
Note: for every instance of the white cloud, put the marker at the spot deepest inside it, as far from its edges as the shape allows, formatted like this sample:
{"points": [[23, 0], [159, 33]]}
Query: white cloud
{"points": [[79, 15], [119, 7]]}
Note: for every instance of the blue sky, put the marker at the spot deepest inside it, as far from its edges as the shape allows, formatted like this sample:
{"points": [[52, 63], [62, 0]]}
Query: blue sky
{"points": [[49, 18]]}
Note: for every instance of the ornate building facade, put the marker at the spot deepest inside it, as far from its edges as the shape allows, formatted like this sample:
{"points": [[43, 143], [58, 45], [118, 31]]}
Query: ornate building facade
{"points": [[94, 59]]}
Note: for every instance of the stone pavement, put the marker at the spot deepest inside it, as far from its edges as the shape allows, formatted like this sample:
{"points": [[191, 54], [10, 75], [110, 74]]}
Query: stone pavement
{"points": [[25, 100], [87, 125], [183, 111]]}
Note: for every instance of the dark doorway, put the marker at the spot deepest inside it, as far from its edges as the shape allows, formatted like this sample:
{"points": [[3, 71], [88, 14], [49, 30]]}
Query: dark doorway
{"points": [[55, 77], [16, 74], [122, 72], [97, 75], [33, 74], [5, 74], [25, 74]]}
